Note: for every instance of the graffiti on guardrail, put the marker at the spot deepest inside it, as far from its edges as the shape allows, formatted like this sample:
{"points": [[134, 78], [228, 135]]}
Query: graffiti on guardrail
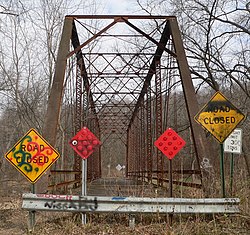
{"points": [[67, 203], [51, 196]]}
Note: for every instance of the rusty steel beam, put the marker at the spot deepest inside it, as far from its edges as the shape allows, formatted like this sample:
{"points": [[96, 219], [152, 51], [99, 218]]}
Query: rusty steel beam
{"points": [[92, 170], [81, 76], [79, 47], [142, 117], [78, 118], [182, 172], [62, 184], [117, 53], [201, 145], [80, 63], [134, 17], [158, 120], [79, 100], [127, 153], [149, 134], [138, 149], [132, 144], [161, 46], [142, 127], [117, 74], [55, 97], [65, 172], [130, 150], [158, 53]]}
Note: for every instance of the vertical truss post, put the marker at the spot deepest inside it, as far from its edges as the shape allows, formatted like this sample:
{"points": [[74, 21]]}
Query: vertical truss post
{"points": [[79, 102], [98, 152], [149, 134], [202, 146], [78, 119], [158, 120], [94, 161], [90, 158], [135, 150], [143, 149], [131, 151], [135, 155], [138, 149], [127, 153]]}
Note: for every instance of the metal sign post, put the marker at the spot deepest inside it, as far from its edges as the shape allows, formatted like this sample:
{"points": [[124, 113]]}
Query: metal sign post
{"points": [[222, 171], [231, 173], [32, 214], [233, 145], [170, 143], [84, 143], [170, 188], [84, 186]]}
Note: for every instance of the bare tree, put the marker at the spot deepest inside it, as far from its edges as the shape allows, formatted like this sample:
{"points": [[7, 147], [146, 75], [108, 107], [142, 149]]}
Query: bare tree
{"points": [[29, 40], [216, 39]]}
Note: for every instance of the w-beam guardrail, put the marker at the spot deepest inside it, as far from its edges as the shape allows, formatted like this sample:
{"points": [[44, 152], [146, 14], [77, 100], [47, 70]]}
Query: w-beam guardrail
{"points": [[130, 205]]}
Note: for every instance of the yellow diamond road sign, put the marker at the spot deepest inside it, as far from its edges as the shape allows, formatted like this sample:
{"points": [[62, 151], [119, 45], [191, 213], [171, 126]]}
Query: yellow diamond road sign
{"points": [[219, 116], [32, 155]]}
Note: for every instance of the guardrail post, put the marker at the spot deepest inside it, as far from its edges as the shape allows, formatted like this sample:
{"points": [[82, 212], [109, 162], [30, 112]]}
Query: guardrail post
{"points": [[32, 214], [132, 221]]}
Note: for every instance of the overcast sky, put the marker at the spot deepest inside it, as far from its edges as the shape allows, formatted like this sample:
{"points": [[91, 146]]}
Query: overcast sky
{"points": [[118, 7]]}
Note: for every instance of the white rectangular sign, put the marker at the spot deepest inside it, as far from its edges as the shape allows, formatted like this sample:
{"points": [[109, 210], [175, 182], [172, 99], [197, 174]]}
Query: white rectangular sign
{"points": [[233, 143]]}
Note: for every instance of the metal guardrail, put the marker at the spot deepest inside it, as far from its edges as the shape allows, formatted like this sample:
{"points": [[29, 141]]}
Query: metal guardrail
{"points": [[131, 205]]}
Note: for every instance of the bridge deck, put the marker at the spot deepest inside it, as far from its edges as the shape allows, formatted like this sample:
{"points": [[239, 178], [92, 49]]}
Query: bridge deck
{"points": [[123, 187]]}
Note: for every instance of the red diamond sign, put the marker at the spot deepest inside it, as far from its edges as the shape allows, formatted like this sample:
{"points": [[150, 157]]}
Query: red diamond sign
{"points": [[84, 142], [170, 143]]}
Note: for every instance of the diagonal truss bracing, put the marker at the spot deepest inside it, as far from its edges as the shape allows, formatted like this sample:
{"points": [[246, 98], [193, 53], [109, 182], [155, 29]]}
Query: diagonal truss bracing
{"points": [[124, 89]]}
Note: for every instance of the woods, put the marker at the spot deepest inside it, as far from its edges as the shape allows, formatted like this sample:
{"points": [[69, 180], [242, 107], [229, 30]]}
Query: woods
{"points": [[110, 84], [215, 36]]}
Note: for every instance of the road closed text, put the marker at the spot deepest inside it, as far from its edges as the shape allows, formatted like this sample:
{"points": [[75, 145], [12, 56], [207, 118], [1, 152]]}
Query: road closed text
{"points": [[34, 159], [219, 120]]}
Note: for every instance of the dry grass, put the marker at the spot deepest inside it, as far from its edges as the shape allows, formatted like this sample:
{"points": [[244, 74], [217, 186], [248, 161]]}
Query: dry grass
{"points": [[148, 225], [13, 220]]}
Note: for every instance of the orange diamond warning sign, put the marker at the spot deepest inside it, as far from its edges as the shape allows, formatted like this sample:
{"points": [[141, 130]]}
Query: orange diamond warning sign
{"points": [[32, 155], [219, 116]]}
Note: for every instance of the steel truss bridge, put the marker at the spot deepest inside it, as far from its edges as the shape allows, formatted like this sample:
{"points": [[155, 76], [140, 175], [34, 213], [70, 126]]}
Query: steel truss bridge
{"points": [[127, 79]]}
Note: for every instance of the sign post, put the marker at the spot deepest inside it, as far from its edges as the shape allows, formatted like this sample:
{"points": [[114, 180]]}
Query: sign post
{"points": [[32, 214], [233, 145], [84, 185], [220, 117], [84, 143], [231, 172], [170, 143], [222, 171]]}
